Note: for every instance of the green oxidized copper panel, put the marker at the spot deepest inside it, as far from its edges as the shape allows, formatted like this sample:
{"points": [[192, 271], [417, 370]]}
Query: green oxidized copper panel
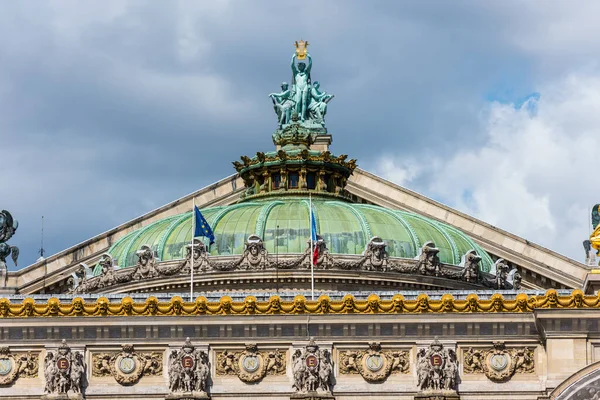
{"points": [[293, 221], [427, 231], [149, 236], [396, 236], [181, 235], [116, 251], [340, 227], [465, 243], [233, 229]]}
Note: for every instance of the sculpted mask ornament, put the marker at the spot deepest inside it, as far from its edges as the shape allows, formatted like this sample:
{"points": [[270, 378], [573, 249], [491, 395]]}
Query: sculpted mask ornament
{"points": [[471, 267], [201, 262], [255, 254], [312, 369], [376, 255], [437, 368], [251, 365], [188, 372], [107, 272], [324, 260], [429, 262], [502, 270], [374, 364], [499, 364], [127, 367], [16, 365], [64, 370], [146, 264]]}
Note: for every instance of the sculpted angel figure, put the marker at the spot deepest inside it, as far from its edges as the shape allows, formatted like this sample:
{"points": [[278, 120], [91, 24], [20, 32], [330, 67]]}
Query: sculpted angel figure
{"points": [[301, 85]]}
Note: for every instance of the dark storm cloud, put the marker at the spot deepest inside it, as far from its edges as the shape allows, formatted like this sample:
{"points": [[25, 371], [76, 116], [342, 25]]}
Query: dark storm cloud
{"points": [[110, 109]]}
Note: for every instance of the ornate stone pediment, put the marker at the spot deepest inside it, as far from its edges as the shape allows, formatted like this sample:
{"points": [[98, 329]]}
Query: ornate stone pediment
{"points": [[499, 364], [250, 365], [374, 364], [17, 365], [127, 366]]}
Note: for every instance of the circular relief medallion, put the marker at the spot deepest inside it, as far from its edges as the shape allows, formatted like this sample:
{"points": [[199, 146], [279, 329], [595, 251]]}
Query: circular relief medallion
{"points": [[127, 365], [251, 363], [374, 362], [499, 362], [436, 361], [312, 361], [6, 366], [62, 363], [187, 362]]}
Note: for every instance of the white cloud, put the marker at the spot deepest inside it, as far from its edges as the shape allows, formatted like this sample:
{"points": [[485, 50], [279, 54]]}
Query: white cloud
{"points": [[536, 174]]}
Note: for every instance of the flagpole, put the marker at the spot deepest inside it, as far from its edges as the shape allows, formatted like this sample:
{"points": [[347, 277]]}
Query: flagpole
{"points": [[312, 267], [192, 252]]}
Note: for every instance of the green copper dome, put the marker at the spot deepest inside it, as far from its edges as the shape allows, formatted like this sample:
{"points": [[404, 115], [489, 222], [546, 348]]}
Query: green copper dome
{"points": [[345, 227]]}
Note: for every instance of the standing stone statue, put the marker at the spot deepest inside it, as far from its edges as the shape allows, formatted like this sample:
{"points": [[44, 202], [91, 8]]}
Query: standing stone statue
{"points": [[283, 103], [64, 371], [313, 372], [301, 85], [8, 227]]}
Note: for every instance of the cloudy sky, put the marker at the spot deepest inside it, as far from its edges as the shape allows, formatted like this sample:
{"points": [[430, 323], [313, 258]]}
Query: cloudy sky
{"points": [[109, 109]]}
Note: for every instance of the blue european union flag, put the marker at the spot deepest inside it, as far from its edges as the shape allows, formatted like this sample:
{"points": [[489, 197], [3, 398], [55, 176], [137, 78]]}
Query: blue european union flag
{"points": [[202, 227]]}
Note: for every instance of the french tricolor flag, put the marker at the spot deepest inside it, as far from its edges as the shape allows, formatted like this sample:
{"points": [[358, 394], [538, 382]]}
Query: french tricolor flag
{"points": [[313, 237]]}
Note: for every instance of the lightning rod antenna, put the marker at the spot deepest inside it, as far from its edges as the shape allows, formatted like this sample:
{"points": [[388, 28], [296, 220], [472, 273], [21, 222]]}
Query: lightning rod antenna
{"points": [[42, 251]]}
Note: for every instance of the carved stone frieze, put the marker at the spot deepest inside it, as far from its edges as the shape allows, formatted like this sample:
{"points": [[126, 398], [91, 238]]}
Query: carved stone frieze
{"points": [[189, 371], [127, 366], [17, 365], [312, 370], [256, 258], [250, 365], [64, 371], [374, 364], [437, 368], [499, 364]]}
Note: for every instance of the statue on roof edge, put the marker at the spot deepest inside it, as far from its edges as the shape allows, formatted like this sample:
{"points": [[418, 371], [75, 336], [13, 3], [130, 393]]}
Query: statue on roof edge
{"points": [[304, 97], [8, 227]]}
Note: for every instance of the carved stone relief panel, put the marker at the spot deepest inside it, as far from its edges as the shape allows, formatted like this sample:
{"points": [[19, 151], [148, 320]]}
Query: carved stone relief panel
{"points": [[499, 364], [437, 368], [250, 365], [374, 364], [16, 365], [127, 366]]}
